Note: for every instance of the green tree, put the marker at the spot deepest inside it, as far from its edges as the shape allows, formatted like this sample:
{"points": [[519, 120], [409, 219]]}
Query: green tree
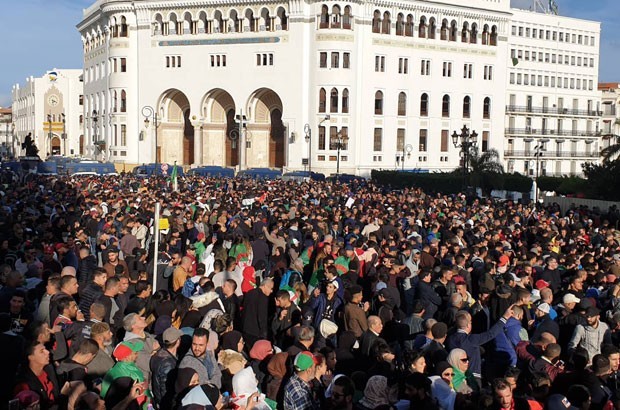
{"points": [[612, 152], [485, 170], [603, 179]]}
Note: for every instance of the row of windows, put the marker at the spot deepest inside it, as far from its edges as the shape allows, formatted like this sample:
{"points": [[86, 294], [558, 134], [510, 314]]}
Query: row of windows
{"points": [[425, 68], [115, 65], [449, 30], [218, 60], [334, 59], [335, 19], [173, 61], [234, 22], [551, 58], [334, 99], [117, 27], [333, 138], [123, 101], [378, 140], [553, 35], [263, 59], [123, 135], [550, 81]]}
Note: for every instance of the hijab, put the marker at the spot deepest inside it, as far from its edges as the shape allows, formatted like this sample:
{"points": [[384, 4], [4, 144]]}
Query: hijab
{"points": [[376, 393]]}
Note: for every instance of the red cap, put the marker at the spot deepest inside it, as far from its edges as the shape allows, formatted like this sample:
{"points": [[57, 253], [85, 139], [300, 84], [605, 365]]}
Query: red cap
{"points": [[60, 245], [541, 284], [200, 236], [504, 260], [49, 249]]}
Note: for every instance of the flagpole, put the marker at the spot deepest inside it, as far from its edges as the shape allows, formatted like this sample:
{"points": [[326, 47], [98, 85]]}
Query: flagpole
{"points": [[156, 256]]}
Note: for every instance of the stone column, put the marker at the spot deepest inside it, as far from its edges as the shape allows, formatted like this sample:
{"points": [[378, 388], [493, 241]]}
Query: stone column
{"points": [[198, 144]]}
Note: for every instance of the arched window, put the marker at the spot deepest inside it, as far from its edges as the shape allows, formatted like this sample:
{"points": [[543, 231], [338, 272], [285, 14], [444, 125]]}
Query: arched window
{"points": [[113, 28], [485, 35], [473, 35], [494, 35], [486, 108], [402, 104], [466, 107], [124, 32], [123, 101], [172, 23], [424, 105], [324, 21], [188, 24], [333, 100], [378, 103], [422, 27], [444, 30], [235, 22], [409, 26], [345, 101], [432, 28], [376, 22], [115, 102], [218, 22], [336, 21], [202, 23], [465, 33], [386, 26], [250, 21], [265, 20], [445, 106], [400, 25], [347, 19], [453, 30], [322, 100], [283, 19]]}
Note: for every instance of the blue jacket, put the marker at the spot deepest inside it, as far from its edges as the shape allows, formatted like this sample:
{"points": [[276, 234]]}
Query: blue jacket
{"points": [[471, 344], [504, 347], [513, 328], [318, 305]]}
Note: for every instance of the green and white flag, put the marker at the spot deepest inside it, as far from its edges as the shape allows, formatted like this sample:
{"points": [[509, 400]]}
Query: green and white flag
{"points": [[174, 177]]}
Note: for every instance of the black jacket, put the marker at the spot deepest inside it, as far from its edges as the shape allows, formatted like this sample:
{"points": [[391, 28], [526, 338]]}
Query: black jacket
{"points": [[162, 364], [255, 315], [89, 295], [28, 378], [429, 298]]}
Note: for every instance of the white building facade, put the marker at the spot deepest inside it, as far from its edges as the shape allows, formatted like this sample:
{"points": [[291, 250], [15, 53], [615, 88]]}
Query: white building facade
{"points": [[610, 100], [49, 108], [553, 104], [390, 82]]}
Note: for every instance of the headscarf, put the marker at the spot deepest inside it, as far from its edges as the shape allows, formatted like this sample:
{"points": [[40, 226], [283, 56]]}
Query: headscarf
{"points": [[184, 376], [230, 340], [249, 279], [460, 381], [261, 349], [376, 393], [277, 365]]}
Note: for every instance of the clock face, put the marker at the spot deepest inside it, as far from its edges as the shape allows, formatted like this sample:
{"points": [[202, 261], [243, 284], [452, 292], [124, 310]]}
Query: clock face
{"points": [[53, 100]]}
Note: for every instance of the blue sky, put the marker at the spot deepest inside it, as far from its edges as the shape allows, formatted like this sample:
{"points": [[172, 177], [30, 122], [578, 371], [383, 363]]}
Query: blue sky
{"points": [[39, 35]]}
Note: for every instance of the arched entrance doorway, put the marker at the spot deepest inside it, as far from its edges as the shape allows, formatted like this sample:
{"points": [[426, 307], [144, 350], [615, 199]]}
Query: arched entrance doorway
{"points": [[55, 146], [220, 130], [175, 142], [266, 130]]}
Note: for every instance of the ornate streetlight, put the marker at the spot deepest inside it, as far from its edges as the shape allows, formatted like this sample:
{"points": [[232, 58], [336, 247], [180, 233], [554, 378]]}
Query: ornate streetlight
{"points": [[149, 113], [466, 141], [340, 142]]}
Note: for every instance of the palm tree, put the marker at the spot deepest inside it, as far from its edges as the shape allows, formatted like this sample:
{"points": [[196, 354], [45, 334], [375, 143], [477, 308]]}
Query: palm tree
{"points": [[612, 151], [485, 169]]}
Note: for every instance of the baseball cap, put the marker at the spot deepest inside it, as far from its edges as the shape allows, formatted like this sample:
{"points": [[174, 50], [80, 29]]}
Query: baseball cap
{"points": [[48, 250], [504, 260], [124, 349], [544, 307], [200, 236], [304, 360], [335, 284], [171, 335], [541, 284], [535, 295], [60, 245], [349, 248], [570, 298], [113, 249]]}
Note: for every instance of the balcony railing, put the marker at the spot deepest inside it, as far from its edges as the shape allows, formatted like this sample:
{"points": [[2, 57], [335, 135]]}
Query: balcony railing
{"points": [[551, 154], [559, 133], [553, 111]]}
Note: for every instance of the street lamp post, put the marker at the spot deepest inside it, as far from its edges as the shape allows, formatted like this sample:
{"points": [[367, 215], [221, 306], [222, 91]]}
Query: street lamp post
{"points": [[149, 112], [95, 119], [242, 121], [538, 152], [13, 140], [400, 157], [465, 141], [340, 142], [49, 135], [308, 138], [64, 134]]}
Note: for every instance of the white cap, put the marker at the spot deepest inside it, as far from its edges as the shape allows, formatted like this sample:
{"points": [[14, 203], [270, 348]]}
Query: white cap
{"points": [[544, 307], [570, 298]]}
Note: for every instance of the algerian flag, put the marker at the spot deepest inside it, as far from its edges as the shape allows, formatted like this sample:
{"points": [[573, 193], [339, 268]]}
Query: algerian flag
{"points": [[173, 177], [515, 61]]}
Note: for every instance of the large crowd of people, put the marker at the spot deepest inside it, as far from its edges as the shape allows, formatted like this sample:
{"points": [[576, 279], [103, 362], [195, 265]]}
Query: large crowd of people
{"points": [[300, 296]]}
